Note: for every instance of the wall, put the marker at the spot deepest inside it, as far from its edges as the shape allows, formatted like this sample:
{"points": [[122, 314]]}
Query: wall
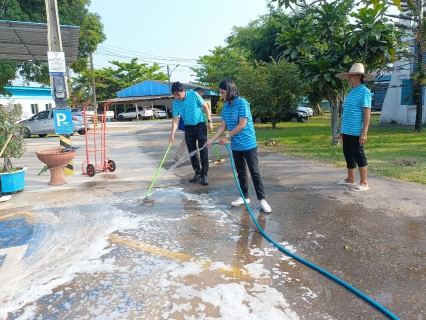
{"points": [[27, 96], [392, 110]]}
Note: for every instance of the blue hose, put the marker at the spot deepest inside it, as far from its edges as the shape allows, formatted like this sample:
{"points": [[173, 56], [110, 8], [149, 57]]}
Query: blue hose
{"points": [[309, 264]]}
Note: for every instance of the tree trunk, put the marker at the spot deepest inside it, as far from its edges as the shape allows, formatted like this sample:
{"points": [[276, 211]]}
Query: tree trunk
{"points": [[335, 123], [419, 115], [418, 91], [274, 121], [317, 109], [417, 100]]}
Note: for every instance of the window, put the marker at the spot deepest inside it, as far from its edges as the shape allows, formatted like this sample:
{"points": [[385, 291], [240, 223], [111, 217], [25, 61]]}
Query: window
{"points": [[48, 106], [42, 115], [34, 108]]}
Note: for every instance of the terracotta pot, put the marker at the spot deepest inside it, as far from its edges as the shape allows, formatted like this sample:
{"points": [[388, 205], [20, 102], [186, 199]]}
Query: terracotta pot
{"points": [[56, 161]]}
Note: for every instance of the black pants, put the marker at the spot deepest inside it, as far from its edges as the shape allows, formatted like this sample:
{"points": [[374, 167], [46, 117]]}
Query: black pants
{"points": [[249, 157], [353, 152], [194, 134]]}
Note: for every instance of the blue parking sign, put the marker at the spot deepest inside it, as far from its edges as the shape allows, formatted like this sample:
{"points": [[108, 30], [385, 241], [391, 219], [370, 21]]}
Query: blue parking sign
{"points": [[63, 121]]}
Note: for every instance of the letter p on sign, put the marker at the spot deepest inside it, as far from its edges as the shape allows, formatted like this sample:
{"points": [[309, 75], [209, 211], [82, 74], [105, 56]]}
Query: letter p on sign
{"points": [[63, 121]]}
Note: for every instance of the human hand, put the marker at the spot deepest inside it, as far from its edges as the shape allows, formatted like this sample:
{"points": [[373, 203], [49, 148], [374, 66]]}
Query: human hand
{"points": [[362, 139], [222, 141], [340, 137], [210, 126], [171, 139], [208, 144]]}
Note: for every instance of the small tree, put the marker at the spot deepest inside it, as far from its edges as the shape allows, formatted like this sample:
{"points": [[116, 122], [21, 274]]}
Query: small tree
{"points": [[10, 130], [219, 106], [332, 45], [269, 87]]}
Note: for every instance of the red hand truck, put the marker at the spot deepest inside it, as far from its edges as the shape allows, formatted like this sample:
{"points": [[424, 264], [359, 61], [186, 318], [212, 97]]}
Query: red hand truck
{"points": [[99, 137]]}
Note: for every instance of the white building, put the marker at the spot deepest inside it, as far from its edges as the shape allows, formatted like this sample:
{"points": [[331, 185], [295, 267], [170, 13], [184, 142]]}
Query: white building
{"points": [[32, 99], [398, 104]]}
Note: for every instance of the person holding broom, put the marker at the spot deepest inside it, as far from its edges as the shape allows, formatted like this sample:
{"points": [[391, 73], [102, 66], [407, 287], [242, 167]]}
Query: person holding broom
{"points": [[189, 106]]}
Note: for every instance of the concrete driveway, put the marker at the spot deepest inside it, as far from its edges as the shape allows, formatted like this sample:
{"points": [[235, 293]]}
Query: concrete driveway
{"points": [[89, 249]]}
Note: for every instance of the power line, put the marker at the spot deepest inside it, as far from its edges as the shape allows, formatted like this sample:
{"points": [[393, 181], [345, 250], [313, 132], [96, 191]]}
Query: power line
{"points": [[114, 55], [149, 55]]}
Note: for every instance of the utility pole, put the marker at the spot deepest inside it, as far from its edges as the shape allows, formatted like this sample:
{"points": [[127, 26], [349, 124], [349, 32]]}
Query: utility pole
{"points": [[168, 75], [58, 82], [170, 90]]}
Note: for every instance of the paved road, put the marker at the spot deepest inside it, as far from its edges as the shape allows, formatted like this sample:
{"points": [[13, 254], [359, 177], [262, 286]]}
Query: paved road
{"points": [[89, 249]]}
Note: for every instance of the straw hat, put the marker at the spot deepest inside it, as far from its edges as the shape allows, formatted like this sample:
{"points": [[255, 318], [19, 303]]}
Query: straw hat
{"points": [[357, 68]]}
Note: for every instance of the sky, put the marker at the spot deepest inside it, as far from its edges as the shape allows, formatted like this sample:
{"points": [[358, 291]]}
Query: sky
{"points": [[169, 32]]}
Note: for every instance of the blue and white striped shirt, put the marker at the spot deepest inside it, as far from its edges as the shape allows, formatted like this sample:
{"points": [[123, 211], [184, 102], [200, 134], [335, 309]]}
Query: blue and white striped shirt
{"points": [[190, 108], [353, 116], [246, 138]]}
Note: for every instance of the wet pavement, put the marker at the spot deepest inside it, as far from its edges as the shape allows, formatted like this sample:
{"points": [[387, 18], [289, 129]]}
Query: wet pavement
{"points": [[90, 250]]}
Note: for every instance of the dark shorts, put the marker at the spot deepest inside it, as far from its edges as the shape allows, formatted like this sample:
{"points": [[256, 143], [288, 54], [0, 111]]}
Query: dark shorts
{"points": [[353, 152]]}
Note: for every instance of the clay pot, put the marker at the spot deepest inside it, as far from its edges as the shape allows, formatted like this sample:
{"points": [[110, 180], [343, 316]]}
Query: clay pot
{"points": [[56, 161]]}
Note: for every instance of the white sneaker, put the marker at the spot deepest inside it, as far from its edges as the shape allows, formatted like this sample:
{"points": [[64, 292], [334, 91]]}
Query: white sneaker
{"points": [[4, 198], [239, 202], [265, 206]]}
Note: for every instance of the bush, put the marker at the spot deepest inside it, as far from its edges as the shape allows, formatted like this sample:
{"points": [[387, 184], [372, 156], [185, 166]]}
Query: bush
{"points": [[11, 139]]}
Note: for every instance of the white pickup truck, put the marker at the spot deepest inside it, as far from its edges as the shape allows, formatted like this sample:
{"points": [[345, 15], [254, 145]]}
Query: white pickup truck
{"points": [[145, 113], [90, 112]]}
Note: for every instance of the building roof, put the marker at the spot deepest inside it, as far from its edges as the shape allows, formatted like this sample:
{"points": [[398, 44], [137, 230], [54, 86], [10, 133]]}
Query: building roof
{"points": [[156, 88], [28, 41], [28, 92], [139, 99]]}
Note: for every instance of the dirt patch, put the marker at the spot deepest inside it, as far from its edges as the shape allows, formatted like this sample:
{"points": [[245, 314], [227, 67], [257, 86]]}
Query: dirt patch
{"points": [[406, 163]]}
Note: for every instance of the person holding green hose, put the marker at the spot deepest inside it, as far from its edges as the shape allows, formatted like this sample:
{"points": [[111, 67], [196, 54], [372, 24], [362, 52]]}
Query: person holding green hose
{"points": [[236, 117]]}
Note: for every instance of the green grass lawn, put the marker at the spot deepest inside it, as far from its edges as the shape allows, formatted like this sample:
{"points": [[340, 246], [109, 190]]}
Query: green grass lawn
{"points": [[396, 152]]}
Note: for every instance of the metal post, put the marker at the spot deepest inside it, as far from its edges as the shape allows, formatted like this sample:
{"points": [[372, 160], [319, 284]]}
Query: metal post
{"points": [[58, 82], [95, 103], [168, 74]]}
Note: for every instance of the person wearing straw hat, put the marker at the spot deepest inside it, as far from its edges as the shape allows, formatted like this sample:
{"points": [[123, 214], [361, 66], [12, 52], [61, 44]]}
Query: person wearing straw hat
{"points": [[355, 122]]}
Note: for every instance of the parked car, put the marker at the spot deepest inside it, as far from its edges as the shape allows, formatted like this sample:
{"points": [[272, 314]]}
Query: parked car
{"points": [[90, 112], [307, 110], [42, 123], [80, 118], [159, 113], [168, 110], [145, 113], [285, 116]]}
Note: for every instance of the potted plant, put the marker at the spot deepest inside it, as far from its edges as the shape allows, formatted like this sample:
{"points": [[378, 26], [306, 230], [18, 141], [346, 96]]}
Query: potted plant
{"points": [[12, 145]]}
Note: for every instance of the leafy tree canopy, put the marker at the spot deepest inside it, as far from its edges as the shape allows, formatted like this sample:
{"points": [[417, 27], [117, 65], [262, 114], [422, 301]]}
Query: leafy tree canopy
{"points": [[111, 80], [71, 12], [270, 86], [258, 39], [223, 63], [334, 44], [7, 72]]}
